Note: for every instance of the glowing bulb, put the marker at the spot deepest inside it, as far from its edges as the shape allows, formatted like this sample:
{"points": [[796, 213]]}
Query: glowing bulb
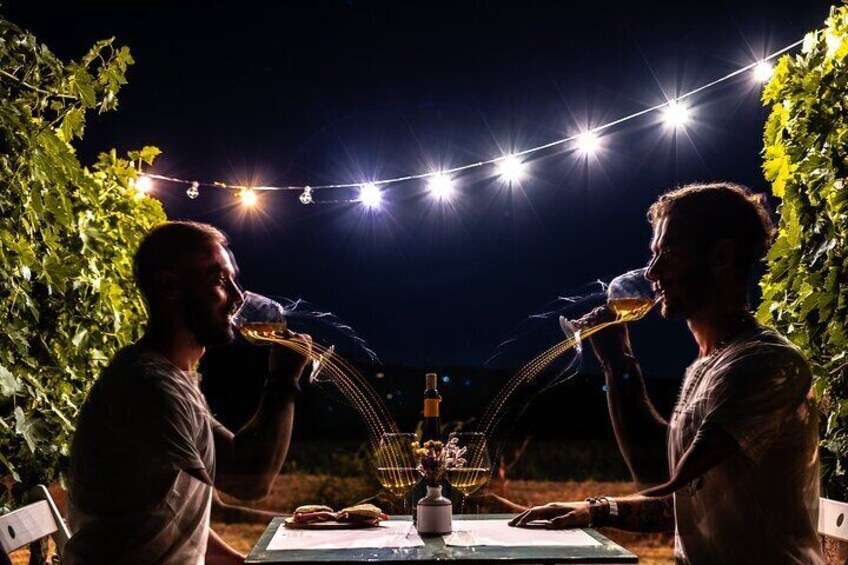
{"points": [[511, 169], [763, 71], [248, 197], [441, 187], [143, 184], [194, 190], [588, 143], [370, 195], [675, 115]]}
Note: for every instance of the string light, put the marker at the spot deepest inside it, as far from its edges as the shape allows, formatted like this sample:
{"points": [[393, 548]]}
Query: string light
{"points": [[441, 187], [143, 184], [248, 197], [370, 195], [676, 114], [588, 143], [511, 169], [194, 190], [763, 71]]}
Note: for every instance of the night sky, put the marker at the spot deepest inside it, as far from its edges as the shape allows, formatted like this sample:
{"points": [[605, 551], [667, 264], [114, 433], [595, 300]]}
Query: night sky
{"points": [[319, 92]]}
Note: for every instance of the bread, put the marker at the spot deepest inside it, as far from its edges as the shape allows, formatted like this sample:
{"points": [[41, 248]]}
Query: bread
{"points": [[312, 508], [367, 513], [312, 513]]}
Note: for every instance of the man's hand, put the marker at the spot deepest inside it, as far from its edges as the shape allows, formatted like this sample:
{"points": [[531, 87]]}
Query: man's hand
{"points": [[286, 363], [555, 516], [611, 344]]}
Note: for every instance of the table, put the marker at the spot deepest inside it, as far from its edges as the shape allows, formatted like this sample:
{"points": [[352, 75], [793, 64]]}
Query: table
{"points": [[434, 549]]}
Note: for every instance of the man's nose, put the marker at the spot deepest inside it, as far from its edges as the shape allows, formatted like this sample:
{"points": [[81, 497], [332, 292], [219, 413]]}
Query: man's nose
{"points": [[651, 273], [239, 295]]}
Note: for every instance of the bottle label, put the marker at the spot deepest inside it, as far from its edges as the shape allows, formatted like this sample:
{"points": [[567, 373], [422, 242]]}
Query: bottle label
{"points": [[431, 407]]}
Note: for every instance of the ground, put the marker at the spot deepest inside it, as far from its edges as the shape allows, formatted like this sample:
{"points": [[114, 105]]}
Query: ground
{"points": [[294, 489]]}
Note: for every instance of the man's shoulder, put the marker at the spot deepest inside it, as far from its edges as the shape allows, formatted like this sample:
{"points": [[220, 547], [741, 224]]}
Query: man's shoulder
{"points": [[136, 369], [764, 352]]}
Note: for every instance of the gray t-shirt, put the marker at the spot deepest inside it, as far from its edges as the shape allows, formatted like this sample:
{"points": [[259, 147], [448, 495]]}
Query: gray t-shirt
{"points": [[143, 424], [760, 506]]}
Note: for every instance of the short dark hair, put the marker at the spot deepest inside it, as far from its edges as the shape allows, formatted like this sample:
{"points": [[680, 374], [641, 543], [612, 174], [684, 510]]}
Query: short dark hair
{"points": [[717, 211], [166, 246]]}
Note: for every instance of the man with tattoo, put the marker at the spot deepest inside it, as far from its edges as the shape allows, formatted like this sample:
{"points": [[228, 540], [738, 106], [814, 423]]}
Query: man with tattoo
{"points": [[740, 446]]}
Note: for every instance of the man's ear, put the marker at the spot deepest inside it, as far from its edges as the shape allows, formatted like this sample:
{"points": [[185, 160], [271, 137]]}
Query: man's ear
{"points": [[167, 284], [723, 256]]}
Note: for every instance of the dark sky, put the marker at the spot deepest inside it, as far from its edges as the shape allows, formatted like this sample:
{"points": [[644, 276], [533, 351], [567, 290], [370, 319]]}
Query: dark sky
{"points": [[316, 92]]}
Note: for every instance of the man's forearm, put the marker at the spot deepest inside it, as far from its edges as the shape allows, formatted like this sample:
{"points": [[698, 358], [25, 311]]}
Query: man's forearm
{"points": [[643, 514], [257, 451], [639, 429], [218, 552]]}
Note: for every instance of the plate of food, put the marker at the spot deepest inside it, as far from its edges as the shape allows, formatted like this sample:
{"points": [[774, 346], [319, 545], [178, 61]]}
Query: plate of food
{"points": [[319, 517]]}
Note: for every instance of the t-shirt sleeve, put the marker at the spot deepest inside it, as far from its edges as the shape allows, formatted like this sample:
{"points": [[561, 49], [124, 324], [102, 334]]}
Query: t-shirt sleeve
{"points": [[175, 422], [754, 395]]}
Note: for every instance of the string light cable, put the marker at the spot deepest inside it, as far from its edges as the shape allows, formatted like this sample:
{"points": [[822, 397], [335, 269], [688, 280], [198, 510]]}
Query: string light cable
{"points": [[510, 166]]}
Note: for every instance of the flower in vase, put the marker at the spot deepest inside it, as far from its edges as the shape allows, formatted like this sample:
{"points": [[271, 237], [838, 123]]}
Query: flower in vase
{"points": [[435, 458]]}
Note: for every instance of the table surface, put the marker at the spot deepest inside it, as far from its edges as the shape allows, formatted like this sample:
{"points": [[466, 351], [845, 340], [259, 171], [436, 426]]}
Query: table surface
{"points": [[434, 549]]}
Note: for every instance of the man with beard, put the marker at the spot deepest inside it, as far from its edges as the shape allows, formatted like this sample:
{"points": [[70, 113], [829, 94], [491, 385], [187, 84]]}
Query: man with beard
{"points": [[147, 453], [740, 481]]}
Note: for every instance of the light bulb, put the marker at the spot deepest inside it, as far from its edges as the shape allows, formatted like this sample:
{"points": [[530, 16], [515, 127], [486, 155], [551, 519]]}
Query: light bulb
{"points": [[441, 187], [248, 197], [370, 195], [588, 143], [763, 71], [306, 196], [511, 169], [676, 115], [143, 184]]}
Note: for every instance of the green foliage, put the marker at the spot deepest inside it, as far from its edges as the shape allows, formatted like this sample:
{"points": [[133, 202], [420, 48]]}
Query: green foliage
{"points": [[67, 234], [805, 291]]}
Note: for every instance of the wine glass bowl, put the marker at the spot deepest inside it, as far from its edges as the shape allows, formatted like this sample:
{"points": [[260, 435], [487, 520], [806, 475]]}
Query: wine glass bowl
{"points": [[262, 320], [396, 464], [630, 296], [477, 469]]}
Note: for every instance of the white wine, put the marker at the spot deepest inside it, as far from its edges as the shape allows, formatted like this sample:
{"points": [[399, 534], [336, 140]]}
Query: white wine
{"points": [[263, 332], [468, 479], [397, 480], [630, 309]]}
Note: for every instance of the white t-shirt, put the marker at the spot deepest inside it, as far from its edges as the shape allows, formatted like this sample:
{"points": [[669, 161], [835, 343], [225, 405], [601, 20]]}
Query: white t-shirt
{"points": [[143, 424], [760, 506]]}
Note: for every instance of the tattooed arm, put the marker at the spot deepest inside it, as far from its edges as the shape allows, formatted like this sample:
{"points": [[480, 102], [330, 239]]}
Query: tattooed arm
{"points": [[644, 514], [636, 513]]}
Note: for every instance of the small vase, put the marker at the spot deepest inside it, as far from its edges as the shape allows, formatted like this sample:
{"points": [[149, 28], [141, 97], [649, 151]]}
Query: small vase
{"points": [[434, 513]]}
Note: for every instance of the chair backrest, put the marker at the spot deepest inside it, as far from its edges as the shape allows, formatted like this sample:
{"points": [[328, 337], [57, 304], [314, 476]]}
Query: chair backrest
{"points": [[33, 522]]}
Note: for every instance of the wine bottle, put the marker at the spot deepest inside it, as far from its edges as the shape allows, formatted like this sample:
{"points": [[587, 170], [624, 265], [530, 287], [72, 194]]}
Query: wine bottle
{"points": [[431, 429]]}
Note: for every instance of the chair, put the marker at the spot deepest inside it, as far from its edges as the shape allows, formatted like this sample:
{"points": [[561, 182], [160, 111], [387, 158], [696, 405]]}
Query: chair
{"points": [[32, 522]]}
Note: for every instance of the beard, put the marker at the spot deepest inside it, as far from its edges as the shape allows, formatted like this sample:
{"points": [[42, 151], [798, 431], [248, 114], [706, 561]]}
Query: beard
{"points": [[208, 329], [686, 295]]}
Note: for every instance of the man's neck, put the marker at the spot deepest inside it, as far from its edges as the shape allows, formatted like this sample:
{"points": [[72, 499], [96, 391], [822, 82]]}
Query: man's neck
{"points": [[714, 327], [174, 342]]}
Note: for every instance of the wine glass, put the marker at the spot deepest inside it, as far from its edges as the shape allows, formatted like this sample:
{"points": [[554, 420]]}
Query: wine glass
{"points": [[263, 320], [477, 469], [397, 465], [629, 298]]}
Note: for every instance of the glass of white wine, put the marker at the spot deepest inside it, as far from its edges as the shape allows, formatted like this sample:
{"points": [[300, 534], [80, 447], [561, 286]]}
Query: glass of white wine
{"points": [[396, 465], [629, 298], [468, 478], [262, 320]]}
